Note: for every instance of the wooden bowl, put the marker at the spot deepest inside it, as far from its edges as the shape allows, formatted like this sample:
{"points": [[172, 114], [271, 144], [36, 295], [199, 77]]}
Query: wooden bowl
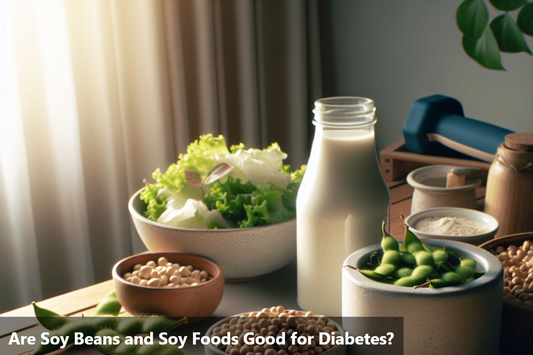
{"points": [[194, 302], [517, 317], [211, 349]]}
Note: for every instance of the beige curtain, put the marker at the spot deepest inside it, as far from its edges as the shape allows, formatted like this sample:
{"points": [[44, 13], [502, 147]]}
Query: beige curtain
{"points": [[96, 94]]}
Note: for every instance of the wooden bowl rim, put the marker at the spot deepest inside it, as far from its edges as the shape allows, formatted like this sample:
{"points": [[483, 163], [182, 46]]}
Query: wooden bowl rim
{"points": [[507, 239]]}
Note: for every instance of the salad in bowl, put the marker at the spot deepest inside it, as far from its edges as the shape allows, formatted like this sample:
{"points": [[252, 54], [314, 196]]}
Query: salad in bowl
{"points": [[213, 187]]}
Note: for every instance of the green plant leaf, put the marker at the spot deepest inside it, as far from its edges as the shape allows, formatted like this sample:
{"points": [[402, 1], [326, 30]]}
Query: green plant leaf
{"points": [[472, 18], [508, 35], [508, 5], [485, 50], [525, 19]]}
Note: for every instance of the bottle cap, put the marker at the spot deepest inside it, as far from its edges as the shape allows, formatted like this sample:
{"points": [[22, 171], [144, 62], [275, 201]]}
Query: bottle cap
{"points": [[522, 141]]}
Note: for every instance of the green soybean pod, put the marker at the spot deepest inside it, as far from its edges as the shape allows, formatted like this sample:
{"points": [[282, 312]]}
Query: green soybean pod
{"points": [[124, 348], [411, 242], [158, 349], [471, 263], [385, 269], [106, 322], [388, 242], [452, 259], [85, 327], [406, 282], [110, 347], [108, 305], [427, 247], [437, 283], [48, 319], [420, 273], [131, 326], [434, 275], [371, 274], [464, 272], [440, 257], [451, 278], [159, 324], [478, 274], [389, 262], [403, 272], [407, 258], [424, 258]]}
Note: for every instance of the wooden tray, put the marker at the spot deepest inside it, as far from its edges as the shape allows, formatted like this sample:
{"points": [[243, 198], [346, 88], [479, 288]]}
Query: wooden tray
{"points": [[396, 162]]}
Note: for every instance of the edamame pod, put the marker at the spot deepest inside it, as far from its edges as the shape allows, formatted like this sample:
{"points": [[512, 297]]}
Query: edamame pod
{"points": [[108, 305], [471, 263], [437, 283], [440, 257], [411, 242], [147, 325], [478, 274], [389, 262], [388, 242], [451, 278], [403, 272], [85, 327], [371, 274], [123, 349], [418, 249], [420, 273], [464, 272], [424, 258], [48, 319], [407, 258]]}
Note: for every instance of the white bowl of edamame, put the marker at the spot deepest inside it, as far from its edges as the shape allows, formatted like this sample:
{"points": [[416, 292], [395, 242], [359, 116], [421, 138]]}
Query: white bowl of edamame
{"points": [[243, 253], [460, 319]]}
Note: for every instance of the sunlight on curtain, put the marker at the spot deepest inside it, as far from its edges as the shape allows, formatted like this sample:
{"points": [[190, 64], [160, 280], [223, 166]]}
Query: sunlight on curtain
{"points": [[96, 94], [17, 233]]}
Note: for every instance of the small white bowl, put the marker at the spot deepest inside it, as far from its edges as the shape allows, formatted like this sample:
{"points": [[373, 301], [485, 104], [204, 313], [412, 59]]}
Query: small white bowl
{"points": [[473, 215], [244, 253], [430, 191]]}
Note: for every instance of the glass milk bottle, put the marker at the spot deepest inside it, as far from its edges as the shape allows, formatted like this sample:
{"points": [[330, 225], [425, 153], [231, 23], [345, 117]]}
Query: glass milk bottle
{"points": [[342, 200]]}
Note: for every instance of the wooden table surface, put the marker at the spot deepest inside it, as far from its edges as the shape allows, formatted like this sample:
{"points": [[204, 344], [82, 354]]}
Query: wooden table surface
{"points": [[237, 298]]}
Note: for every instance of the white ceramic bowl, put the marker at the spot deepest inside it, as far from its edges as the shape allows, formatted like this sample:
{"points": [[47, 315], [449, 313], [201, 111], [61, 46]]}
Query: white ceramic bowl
{"points": [[243, 253], [473, 215], [211, 349], [461, 319], [430, 191]]}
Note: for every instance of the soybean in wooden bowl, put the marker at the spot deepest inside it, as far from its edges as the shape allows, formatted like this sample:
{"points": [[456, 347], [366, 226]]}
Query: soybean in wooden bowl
{"points": [[194, 302], [517, 317]]}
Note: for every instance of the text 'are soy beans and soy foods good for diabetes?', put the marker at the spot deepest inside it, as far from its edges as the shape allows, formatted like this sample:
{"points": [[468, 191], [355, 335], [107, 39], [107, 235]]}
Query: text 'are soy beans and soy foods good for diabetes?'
{"points": [[273, 331]]}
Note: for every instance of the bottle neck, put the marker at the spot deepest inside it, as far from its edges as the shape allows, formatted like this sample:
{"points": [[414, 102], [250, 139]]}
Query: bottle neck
{"points": [[344, 113]]}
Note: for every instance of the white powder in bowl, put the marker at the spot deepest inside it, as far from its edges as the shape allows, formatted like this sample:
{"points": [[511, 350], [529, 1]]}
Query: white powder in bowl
{"points": [[450, 226]]}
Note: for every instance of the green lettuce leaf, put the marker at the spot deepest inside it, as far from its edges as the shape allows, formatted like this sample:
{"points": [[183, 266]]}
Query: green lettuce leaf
{"points": [[229, 198], [259, 189]]}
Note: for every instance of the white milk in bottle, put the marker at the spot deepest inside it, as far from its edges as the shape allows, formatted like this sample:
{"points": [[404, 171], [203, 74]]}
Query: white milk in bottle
{"points": [[342, 200]]}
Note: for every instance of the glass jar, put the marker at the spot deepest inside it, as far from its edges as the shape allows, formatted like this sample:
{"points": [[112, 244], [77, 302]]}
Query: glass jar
{"points": [[509, 194], [342, 200]]}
